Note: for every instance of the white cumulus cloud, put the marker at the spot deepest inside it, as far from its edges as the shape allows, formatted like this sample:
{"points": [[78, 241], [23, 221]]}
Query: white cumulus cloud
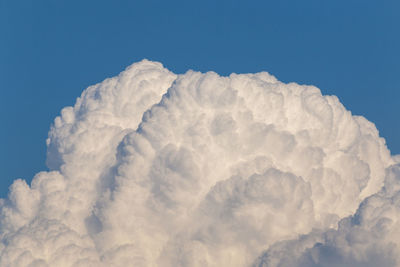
{"points": [[151, 168]]}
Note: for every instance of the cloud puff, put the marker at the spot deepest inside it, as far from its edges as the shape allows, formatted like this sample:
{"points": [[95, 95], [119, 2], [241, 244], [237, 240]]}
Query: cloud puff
{"points": [[370, 237], [151, 168]]}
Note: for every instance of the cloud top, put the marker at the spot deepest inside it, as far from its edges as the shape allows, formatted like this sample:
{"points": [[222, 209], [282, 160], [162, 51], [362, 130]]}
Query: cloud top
{"points": [[151, 168]]}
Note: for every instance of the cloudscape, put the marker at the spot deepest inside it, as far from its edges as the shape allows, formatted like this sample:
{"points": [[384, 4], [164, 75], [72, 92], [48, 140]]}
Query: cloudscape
{"points": [[151, 168]]}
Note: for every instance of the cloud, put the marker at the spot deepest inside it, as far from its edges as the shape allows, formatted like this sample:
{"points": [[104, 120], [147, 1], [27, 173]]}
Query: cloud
{"points": [[151, 168]]}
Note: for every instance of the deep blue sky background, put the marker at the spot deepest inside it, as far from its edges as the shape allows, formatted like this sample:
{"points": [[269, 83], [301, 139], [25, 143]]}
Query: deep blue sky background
{"points": [[51, 50]]}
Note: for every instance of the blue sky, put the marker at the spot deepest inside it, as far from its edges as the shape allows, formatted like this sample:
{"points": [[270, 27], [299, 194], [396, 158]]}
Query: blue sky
{"points": [[52, 50]]}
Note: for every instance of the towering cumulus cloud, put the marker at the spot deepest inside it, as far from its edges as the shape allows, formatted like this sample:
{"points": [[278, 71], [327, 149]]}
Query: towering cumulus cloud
{"points": [[151, 168]]}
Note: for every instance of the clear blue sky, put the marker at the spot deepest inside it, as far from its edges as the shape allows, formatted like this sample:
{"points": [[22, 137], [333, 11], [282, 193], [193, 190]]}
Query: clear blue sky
{"points": [[50, 50]]}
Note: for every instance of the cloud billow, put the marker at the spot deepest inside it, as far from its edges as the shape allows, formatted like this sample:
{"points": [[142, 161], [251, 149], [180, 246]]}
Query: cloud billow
{"points": [[151, 168]]}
